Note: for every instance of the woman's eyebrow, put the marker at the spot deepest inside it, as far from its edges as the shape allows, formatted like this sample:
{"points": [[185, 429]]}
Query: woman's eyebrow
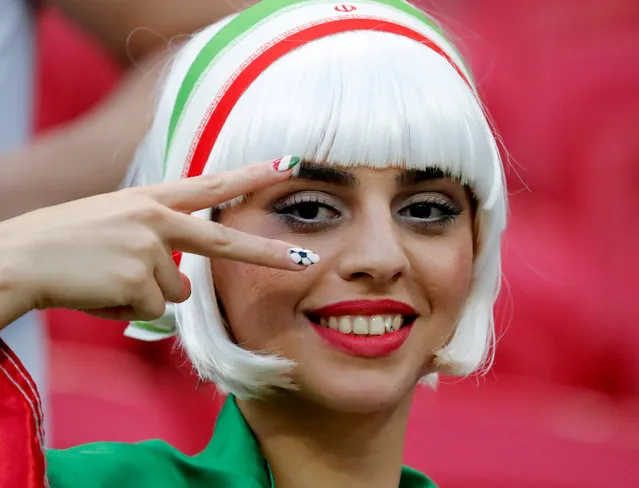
{"points": [[326, 174], [414, 176]]}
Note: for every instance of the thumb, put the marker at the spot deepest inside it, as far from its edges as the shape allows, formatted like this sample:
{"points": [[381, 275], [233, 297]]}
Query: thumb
{"points": [[186, 289]]}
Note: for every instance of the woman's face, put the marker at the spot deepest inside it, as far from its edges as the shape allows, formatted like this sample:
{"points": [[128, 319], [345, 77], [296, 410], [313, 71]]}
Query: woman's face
{"points": [[363, 324]]}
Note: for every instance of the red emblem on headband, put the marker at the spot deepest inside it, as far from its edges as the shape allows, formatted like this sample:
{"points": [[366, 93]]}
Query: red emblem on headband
{"points": [[345, 8]]}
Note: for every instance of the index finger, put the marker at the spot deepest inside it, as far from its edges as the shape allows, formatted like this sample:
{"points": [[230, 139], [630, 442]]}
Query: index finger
{"points": [[198, 236], [197, 193]]}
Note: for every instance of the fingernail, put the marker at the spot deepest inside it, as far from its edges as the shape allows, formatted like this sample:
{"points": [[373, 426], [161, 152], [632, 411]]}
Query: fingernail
{"points": [[286, 163], [303, 256]]}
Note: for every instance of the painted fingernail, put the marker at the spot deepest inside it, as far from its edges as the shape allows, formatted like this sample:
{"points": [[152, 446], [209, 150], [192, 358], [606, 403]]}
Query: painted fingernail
{"points": [[303, 256], [286, 163]]}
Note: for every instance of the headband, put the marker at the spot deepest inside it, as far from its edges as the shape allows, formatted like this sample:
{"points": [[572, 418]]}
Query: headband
{"points": [[244, 48]]}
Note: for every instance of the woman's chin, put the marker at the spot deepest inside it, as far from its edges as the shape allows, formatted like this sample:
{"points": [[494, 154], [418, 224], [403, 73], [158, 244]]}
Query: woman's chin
{"points": [[361, 392]]}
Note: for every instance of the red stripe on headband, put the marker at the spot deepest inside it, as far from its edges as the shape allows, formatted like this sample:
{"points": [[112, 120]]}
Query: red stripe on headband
{"points": [[217, 118]]}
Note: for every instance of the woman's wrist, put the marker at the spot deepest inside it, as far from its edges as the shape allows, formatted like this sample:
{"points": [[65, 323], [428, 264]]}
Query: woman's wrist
{"points": [[15, 295]]}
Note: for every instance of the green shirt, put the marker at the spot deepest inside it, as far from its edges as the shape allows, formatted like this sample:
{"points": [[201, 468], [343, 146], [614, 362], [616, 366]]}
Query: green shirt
{"points": [[232, 459]]}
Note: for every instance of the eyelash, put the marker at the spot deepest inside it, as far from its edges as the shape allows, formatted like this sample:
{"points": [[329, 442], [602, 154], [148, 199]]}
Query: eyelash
{"points": [[449, 210], [296, 201]]}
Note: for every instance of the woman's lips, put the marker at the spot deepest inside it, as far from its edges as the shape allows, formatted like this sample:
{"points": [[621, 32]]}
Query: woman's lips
{"points": [[364, 328], [365, 346], [364, 307]]}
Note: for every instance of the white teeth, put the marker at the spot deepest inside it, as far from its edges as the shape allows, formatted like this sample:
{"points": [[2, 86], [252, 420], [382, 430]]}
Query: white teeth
{"points": [[364, 325], [388, 323], [397, 322], [360, 326], [376, 326], [345, 326], [332, 323]]}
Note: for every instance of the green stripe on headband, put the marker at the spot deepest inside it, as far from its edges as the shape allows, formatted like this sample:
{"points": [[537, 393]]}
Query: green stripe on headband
{"points": [[236, 27]]}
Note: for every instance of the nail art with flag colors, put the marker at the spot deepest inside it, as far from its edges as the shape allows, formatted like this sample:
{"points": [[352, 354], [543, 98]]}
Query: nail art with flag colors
{"points": [[286, 163], [303, 256]]}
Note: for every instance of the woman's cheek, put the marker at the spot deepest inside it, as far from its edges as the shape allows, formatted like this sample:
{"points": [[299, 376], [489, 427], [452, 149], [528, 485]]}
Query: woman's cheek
{"points": [[443, 269], [257, 300]]}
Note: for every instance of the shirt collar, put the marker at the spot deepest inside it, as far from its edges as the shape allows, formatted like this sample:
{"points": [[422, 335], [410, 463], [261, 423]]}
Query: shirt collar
{"points": [[234, 450]]}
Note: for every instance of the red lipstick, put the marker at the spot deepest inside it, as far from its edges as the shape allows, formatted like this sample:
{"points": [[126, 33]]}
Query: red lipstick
{"points": [[366, 346], [364, 307]]}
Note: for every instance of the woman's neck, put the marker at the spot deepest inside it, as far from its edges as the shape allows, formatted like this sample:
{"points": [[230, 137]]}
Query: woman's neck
{"points": [[308, 446]]}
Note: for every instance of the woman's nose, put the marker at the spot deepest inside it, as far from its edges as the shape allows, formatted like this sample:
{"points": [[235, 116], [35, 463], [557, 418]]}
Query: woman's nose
{"points": [[373, 252]]}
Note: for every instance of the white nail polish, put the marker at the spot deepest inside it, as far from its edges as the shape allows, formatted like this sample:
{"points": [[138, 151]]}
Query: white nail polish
{"points": [[303, 257]]}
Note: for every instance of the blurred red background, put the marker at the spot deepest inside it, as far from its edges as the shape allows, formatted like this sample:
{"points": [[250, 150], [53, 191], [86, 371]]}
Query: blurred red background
{"points": [[561, 407]]}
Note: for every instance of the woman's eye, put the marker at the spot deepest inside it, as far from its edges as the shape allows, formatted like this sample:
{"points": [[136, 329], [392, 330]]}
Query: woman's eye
{"points": [[311, 211], [308, 212], [423, 211], [431, 213]]}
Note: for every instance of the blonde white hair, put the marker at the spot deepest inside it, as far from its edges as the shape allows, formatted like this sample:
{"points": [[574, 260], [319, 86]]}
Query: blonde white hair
{"points": [[360, 98]]}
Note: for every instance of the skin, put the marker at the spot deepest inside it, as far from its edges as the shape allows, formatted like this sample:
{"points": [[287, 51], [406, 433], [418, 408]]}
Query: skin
{"points": [[90, 155], [345, 424]]}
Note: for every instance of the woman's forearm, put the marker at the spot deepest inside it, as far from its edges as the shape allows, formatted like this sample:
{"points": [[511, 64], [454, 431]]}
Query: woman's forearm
{"points": [[87, 157]]}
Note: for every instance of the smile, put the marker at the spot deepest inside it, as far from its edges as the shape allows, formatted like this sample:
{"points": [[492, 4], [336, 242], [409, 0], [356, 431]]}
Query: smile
{"points": [[362, 325], [365, 328]]}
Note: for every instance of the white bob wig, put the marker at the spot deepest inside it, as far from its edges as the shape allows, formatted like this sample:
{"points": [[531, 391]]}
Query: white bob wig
{"points": [[359, 98]]}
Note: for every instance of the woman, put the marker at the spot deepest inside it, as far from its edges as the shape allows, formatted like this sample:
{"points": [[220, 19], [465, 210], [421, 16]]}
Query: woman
{"points": [[399, 191]]}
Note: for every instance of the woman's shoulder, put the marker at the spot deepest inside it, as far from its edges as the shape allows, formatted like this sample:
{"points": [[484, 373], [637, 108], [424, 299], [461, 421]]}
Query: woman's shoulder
{"points": [[152, 463], [231, 459], [146, 464]]}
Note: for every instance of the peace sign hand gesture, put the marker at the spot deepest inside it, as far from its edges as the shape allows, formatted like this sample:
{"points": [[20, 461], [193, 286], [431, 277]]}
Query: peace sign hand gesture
{"points": [[111, 255]]}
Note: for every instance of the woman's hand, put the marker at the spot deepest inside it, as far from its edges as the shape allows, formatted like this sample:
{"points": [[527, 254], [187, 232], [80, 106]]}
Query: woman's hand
{"points": [[111, 255]]}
